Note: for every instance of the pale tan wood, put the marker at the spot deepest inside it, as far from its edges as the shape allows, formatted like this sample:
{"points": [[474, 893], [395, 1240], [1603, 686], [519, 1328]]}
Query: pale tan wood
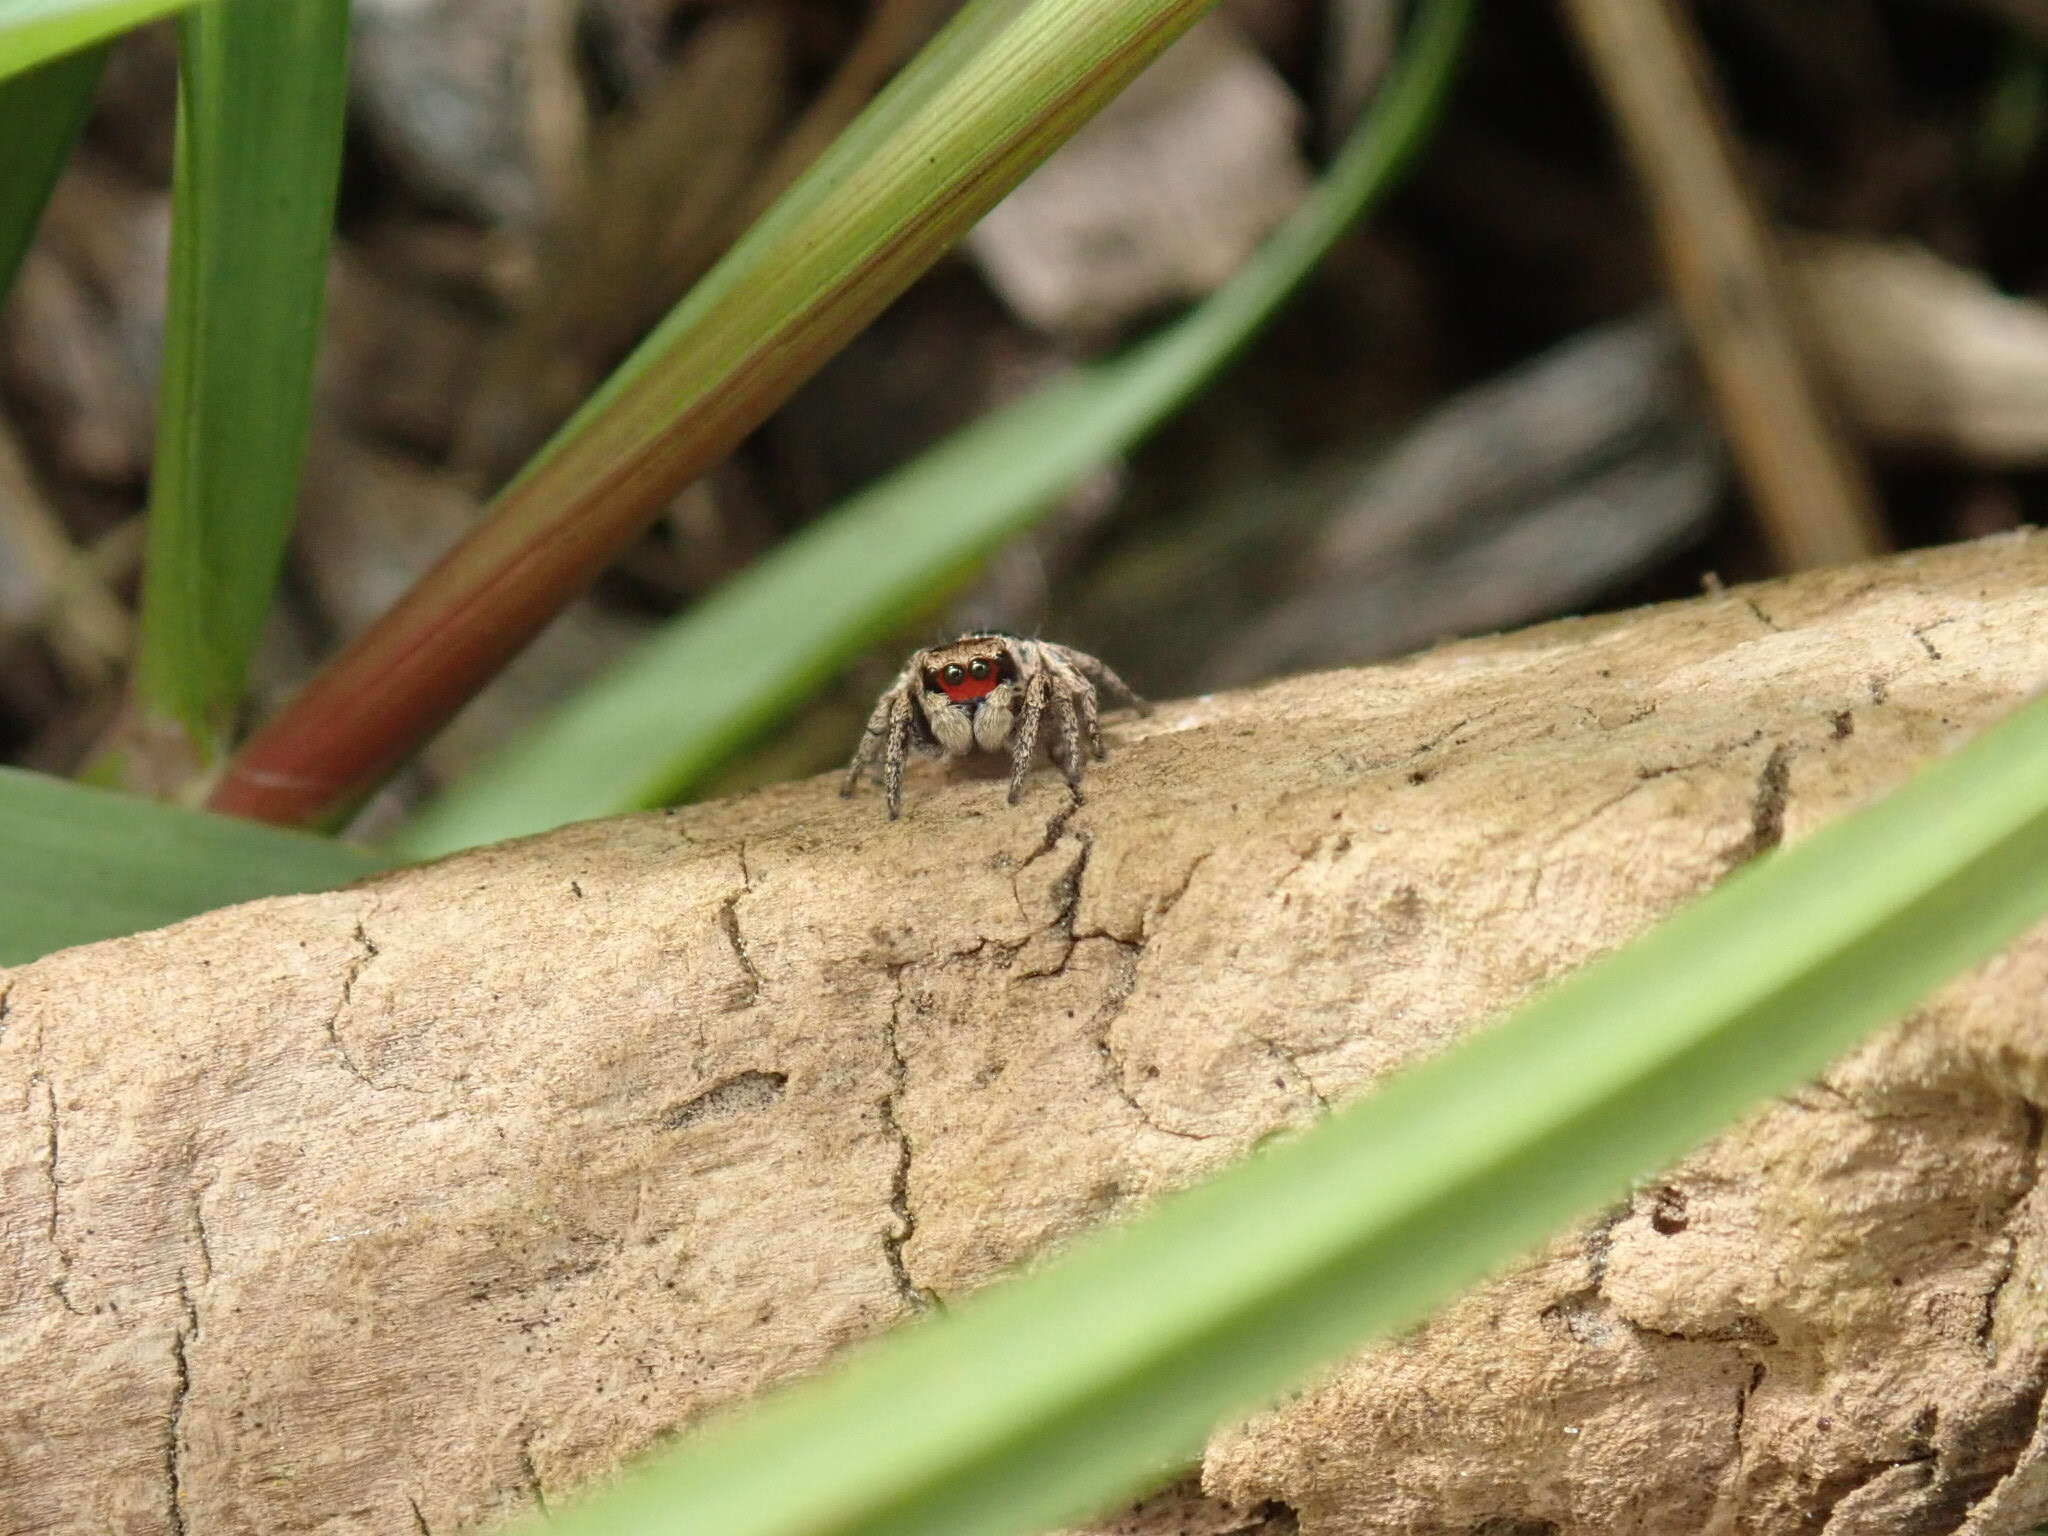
{"points": [[401, 1207]]}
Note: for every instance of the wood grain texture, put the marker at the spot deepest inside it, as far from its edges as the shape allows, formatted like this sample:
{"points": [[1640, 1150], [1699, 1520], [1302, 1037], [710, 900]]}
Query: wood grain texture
{"points": [[406, 1206]]}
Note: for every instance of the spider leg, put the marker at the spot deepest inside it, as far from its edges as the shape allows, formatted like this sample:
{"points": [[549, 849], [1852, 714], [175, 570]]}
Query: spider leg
{"points": [[895, 752], [1070, 738], [1024, 735], [1100, 672], [1091, 725], [1081, 694], [870, 746]]}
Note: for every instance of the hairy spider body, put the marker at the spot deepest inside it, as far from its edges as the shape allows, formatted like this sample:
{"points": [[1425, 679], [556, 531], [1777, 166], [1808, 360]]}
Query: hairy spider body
{"points": [[987, 693]]}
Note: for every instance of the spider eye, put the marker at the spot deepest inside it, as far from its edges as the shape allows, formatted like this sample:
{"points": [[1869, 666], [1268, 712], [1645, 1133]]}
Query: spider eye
{"points": [[979, 667], [955, 673]]}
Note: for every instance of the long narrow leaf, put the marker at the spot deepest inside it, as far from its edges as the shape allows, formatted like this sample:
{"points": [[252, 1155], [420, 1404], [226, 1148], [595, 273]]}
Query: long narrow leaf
{"points": [[756, 328], [33, 31], [80, 864], [663, 719], [40, 115], [1047, 1397], [974, 27], [262, 91]]}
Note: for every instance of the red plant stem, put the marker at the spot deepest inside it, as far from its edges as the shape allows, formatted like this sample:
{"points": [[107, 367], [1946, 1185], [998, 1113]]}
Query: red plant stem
{"points": [[554, 530]]}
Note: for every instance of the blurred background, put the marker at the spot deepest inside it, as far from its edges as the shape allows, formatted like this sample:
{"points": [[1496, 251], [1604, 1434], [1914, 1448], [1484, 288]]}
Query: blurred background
{"points": [[1482, 411]]}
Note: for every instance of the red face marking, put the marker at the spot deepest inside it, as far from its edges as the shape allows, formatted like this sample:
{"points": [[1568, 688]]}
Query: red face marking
{"points": [[976, 680]]}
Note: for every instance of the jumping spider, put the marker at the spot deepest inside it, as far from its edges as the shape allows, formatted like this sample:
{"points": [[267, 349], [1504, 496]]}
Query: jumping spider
{"points": [[978, 693]]}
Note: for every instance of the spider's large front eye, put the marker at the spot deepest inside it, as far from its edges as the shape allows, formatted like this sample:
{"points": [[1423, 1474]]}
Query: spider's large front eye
{"points": [[956, 674], [979, 667]]}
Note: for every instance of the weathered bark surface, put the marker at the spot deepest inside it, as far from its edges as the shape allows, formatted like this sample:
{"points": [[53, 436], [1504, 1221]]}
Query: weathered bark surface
{"points": [[404, 1206]]}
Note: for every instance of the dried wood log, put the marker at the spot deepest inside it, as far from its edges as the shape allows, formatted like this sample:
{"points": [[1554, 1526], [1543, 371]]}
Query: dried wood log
{"points": [[400, 1207]]}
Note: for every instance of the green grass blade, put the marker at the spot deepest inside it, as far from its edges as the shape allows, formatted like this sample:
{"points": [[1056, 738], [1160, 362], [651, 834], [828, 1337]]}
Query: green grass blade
{"points": [[34, 31], [750, 652], [973, 28], [262, 90], [80, 864], [735, 349], [40, 115], [1051, 1395]]}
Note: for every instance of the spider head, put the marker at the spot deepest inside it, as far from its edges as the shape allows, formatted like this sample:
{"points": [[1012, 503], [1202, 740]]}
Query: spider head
{"points": [[968, 691]]}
